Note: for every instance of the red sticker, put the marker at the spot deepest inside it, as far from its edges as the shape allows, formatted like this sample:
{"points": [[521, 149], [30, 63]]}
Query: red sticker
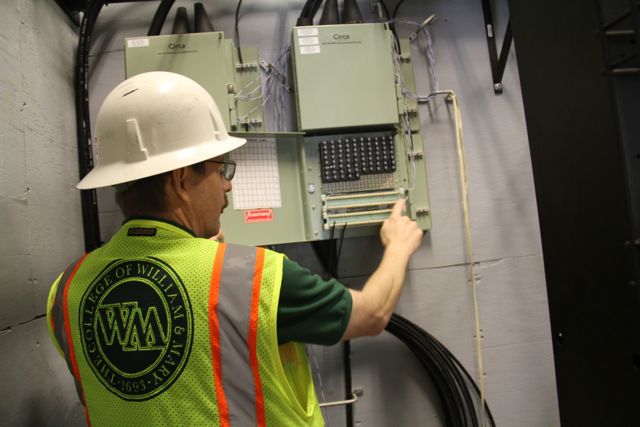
{"points": [[258, 215]]}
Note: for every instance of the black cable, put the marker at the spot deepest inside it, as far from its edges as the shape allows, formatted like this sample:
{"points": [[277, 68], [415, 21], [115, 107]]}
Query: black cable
{"points": [[303, 19], [386, 10], [348, 384], [458, 392], [340, 241], [464, 403], [238, 32], [159, 17], [433, 365], [331, 255], [395, 9], [336, 252], [314, 10], [450, 378], [392, 26], [89, 202]]}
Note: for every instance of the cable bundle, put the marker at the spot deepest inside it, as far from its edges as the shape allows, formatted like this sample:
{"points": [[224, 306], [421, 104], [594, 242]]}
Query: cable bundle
{"points": [[88, 198], [460, 394]]}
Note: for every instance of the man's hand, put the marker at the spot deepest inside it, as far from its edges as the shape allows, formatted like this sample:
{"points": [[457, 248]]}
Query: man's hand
{"points": [[399, 233], [373, 305]]}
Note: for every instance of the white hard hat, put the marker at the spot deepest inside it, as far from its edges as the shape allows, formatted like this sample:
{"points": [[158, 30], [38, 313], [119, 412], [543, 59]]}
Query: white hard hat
{"points": [[153, 123]]}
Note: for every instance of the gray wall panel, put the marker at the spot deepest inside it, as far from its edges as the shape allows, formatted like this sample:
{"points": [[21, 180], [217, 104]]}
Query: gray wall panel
{"points": [[37, 389], [39, 207]]}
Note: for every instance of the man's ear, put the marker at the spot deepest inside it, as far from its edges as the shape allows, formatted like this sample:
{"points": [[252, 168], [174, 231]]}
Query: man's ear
{"points": [[178, 183]]}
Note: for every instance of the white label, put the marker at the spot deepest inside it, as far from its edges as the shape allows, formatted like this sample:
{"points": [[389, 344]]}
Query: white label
{"points": [[307, 31], [307, 41], [307, 50], [256, 184], [137, 42]]}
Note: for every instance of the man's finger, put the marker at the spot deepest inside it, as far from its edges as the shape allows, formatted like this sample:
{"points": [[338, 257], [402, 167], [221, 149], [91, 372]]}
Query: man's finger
{"points": [[398, 208]]}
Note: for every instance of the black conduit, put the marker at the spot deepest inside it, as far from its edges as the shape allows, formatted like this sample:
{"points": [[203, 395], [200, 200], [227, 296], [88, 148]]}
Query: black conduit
{"points": [[237, 31], [159, 17], [309, 11], [88, 198], [181, 22], [201, 21]]}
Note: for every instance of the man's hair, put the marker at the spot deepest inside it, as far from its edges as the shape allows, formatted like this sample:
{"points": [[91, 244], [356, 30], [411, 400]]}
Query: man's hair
{"points": [[147, 196]]}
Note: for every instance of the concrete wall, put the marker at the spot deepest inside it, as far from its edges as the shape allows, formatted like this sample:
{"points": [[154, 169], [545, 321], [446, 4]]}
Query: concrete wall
{"points": [[512, 297], [39, 208]]}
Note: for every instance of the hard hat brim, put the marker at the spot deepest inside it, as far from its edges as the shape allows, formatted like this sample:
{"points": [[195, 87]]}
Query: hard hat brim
{"points": [[121, 172]]}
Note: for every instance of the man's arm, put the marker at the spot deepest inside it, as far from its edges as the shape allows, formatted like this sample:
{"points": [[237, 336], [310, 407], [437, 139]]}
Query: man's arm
{"points": [[373, 305]]}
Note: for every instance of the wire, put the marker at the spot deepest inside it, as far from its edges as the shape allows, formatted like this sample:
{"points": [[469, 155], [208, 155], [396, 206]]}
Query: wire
{"points": [[314, 9], [451, 96], [237, 31], [308, 12], [458, 392], [395, 9], [159, 17], [405, 121], [392, 26], [89, 201], [469, 245], [421, 29], [386, 10], [277, 89]]}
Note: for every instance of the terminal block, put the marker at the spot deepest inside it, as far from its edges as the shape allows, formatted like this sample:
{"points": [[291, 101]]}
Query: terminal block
{"points": [[346, 159]]}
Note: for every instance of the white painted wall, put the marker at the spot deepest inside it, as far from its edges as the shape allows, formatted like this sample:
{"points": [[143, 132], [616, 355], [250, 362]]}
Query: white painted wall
{"points": [[43, 225]]}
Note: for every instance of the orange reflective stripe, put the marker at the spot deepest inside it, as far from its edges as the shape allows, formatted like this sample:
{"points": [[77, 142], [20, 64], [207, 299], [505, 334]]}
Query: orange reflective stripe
{"points": [[67, 326], [214, 336], [253, 335]]}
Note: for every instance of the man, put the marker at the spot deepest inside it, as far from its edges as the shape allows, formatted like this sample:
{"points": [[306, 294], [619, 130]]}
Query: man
{"points": [[163, 325]]}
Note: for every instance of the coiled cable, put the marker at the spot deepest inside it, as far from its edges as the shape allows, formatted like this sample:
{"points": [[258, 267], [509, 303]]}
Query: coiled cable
{"points": [[459, 393]]}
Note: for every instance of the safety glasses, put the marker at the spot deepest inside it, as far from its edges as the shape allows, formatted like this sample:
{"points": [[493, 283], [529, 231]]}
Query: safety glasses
{"points": [[229, 168]]}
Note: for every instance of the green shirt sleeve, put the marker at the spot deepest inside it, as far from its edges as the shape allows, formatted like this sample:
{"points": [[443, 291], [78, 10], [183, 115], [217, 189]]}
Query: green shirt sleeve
{"points": [[311, 310]]}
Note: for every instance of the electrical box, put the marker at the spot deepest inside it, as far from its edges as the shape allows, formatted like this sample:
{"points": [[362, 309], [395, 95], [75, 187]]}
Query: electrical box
{"points": [[358, 149], [314, 185], [211, 60], [344, 77]]}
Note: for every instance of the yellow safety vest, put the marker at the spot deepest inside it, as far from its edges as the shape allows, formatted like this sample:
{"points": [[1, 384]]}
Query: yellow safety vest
{"points": [[160, 328]]}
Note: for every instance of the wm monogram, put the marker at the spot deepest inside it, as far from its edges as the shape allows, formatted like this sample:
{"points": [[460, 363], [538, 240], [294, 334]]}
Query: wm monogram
{"points": [[134, 330]]}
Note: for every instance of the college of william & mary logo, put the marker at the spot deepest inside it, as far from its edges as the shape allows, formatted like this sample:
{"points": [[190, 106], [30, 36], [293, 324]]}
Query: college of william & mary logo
{"points": [[137, 327]]}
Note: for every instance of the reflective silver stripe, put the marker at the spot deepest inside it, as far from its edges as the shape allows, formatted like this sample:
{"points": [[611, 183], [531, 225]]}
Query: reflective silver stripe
{"points": [[57, 315], [234, 307]]}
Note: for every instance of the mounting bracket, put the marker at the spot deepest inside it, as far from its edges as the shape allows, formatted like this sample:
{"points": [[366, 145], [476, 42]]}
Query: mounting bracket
{"points": [[498, 63]]}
